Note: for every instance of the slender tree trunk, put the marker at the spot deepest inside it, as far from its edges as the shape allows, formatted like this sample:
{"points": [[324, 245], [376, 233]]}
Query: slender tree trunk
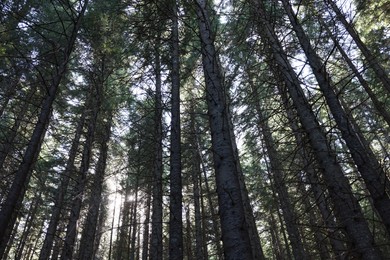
{"points": [[156, 243], [17, 191], [305, 153], [375, 101], [195, 173], [347, 207], [281, 189], [86, 250], [71, 229], [110, 249], [134, 223], [61, 192], [276, 243], [235, 233], [372, 172], [29, 222], [176, 197], [372, 61], [145, 236]]}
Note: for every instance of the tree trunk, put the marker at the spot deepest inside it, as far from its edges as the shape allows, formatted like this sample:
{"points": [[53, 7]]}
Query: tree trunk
{"points": [[156, 245], [372, 61], [375, 101], [86, 250], [71, 229], [176, 197], [61, 192], [305, 154], [145, 236], [235, 233], [372, 172], [347, 207], [16, 194], [281, 189]]}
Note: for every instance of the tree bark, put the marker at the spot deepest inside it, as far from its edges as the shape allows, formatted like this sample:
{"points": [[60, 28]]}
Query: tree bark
{"points": [[156, 245], [348, 210], [235, 233], [176, 197], [16, 194], [372, 172]]}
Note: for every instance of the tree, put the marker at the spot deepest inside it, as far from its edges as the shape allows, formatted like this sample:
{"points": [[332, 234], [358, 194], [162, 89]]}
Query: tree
{"points": [[23, 174]]}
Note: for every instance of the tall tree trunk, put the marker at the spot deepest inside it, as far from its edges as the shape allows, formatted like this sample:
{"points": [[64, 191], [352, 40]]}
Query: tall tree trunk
{"points": [[375, 101], [71, 229], [372, 61], [17, 191], [156, 243], [235, 233], [195, 173], [372, 172], [176, 196], [281, 189], [347, 207], [86, 250], [305, 154], [59, 197], [145, 236]]}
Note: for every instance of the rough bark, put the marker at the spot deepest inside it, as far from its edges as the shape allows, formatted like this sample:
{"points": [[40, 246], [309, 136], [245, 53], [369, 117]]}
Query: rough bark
{"points": [[235, 233]]}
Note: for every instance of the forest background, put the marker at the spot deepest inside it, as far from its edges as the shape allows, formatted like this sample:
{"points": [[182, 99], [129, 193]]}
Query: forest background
{"points": [[251, 129]]}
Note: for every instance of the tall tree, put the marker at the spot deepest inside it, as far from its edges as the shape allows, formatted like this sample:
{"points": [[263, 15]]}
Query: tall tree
{"points": [[175, 222], [235, 233], [22, 176]]}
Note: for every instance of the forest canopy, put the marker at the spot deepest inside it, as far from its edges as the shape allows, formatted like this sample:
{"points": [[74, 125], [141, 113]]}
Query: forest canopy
{"points": [[251, 129]]}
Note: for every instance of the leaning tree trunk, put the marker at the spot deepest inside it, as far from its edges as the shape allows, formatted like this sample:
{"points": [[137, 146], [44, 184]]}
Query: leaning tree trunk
{"points": [[348, 210], [59, 197], [176, 196], [305, 154], [81, 179], [372, 61], [372, 172], [235, 233], [17, 191], [276, 174], [87, 241], [375, 101]]}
